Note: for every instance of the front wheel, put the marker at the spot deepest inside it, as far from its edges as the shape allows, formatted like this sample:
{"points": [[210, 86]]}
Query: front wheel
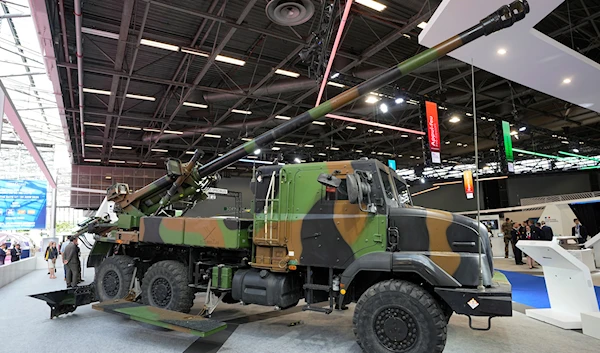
{"points": [[400, 317], [114, 277], [165, 285]]}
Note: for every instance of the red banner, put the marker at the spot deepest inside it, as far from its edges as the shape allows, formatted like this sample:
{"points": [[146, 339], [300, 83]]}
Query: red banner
{"points": [[433, 131], [468, 181]]}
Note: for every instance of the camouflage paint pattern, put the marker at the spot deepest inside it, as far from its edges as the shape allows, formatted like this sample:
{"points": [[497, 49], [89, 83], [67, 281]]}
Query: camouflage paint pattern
{"points": [[222, 233], [191, 324]]}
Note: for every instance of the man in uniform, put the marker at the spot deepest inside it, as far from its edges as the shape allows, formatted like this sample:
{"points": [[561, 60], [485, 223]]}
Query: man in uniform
{"points": [[506, 229], [71, 262]]}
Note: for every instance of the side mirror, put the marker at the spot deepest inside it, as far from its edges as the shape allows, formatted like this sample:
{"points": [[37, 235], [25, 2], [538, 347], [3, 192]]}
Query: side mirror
{"points": [[329, 180]]}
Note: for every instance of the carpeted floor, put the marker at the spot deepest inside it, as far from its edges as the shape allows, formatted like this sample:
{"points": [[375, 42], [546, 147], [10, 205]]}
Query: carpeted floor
{"points": [[531, 290]]}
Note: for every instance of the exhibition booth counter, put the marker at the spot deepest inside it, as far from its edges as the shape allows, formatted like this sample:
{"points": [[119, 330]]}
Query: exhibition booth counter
{"points": [[15, 270]]}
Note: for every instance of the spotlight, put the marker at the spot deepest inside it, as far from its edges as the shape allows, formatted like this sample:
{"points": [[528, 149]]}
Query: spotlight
{"points": [[336, 75], [297, 160], [522, 128], [422, 180], [257, 151], [383, 107], [575, 150], [399, 100]]}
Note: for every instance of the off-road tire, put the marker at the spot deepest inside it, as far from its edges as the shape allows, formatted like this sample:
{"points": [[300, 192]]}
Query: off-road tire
{"points": [[113, 277], [165, 285], [400, 317]]}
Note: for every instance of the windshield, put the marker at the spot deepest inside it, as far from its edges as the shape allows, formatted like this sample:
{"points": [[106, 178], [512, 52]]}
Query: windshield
{"points": [[389, 188], [403, 193]]}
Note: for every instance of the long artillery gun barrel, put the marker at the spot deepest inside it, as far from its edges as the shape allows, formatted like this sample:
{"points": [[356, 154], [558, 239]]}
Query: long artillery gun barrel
{"points": [[504, 17]]}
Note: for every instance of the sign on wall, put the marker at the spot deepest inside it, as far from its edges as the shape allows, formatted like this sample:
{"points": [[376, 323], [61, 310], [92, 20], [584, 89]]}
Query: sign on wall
{"points": [[22, 204], [433, 131], [468, 182]]}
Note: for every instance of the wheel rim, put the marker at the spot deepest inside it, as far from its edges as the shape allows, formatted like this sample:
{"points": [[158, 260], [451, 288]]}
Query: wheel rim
{"points": [[161, 292], [111, 283], [396, 329]]}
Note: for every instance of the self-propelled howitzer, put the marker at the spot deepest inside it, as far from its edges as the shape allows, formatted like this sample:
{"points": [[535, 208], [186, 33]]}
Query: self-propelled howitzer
{"points": [[336, 232]]}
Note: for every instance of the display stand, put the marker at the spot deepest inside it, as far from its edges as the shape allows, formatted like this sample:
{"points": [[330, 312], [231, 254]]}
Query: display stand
{"points": [[568, 281], [594, 244]]}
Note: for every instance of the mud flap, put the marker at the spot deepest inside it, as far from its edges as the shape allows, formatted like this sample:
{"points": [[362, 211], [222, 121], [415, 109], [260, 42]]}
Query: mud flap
{"points": [[172, 320], [67, 300]]}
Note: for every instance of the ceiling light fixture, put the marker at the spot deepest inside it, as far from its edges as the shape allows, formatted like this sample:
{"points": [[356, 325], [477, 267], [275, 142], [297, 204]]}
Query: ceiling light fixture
{"points": [[358, 151], [575, 150], [351, 127], [522, 128], [566, 81], [399, 100], [121, 147], [501, 51], [335, 75], [246, 139], [129, 127], [334, 148], [155, 44], [96, 91], [238, 111], [228, 60], [92, 145], [372, 99], [212, 136], [194, 52], [377, 6], [455, 119], [335, 84], [99, 33], [92, 160], [384, 108], [257, 151], [404, 135], [115, 161], [93, 124], [189, 152], [137, 96], [422, 25], [447, 142], [565, 142], [159, 150], [309, 146], [514, 133], [281, 117], [173, 132], [371, 123], [321, 154], [275, 148], [287, 73], [195, 105], [297, 160], [148, 163], [378, 132], [422, 180], [148, 129], [319, 122]]}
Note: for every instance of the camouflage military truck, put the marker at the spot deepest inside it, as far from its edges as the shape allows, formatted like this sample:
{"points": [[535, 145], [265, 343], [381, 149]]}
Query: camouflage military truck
{"points": [[329, 233]]}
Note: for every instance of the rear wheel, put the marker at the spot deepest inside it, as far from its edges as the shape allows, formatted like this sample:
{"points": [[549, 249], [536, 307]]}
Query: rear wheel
{"points": [[400, 317], [165, 285], [114, 277]]}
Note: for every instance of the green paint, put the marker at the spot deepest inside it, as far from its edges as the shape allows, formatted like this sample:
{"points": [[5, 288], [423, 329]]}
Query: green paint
{"points": [[234, 238], [321, 110], [170, 235], [250, 146], [508, 150], [409, 65]]}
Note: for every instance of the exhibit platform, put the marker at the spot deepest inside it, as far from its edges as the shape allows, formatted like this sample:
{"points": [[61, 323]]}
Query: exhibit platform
{"points": [[250, 329]]}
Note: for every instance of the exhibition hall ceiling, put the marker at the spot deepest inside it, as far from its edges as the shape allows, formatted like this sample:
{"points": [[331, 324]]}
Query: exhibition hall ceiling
{"points": [[162, 78]]}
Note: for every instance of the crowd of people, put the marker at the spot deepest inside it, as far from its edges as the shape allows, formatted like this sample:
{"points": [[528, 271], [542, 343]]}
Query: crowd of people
{"points": [[14, 253], [528, 230]]}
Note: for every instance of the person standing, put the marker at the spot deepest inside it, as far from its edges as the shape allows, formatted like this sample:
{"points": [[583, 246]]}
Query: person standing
{"points": [[15, 253], [506, 230], [71, 262], [579, 231], [2, 253], [547, 232], [51, 256], [530, 235], [61, 252], [515, 236]]}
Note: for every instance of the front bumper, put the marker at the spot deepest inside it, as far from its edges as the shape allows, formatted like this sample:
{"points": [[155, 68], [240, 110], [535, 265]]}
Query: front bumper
{"points": [[495, 301]]}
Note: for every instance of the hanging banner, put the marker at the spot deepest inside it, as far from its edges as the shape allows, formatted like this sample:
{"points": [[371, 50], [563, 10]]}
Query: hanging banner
{"points": [[468, 181], [508, 150], [433, 131]]}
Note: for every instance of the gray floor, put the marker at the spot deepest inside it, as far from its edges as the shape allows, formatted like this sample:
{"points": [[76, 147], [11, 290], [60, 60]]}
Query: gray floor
{"points": [[251, 329]]}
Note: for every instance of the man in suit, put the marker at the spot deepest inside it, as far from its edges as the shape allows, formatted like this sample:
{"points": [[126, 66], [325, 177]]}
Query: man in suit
{"points": [[15, 253], [579, 231], [71, 262], [515, 235], [547, 233]]}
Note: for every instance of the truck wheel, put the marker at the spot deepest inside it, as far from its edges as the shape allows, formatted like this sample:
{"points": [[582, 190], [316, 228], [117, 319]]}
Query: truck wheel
{"points": [[113, 278], [165, 285], [399, 316]]}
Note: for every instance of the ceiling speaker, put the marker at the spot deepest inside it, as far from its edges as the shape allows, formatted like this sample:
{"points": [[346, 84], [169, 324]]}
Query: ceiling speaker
{"points": [[290, 12]]}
